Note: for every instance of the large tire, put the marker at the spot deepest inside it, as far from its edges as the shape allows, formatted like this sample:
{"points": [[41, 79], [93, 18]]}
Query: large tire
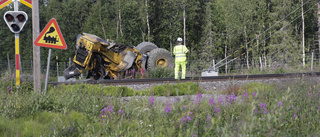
{"points": [[146, 47], [160, 58]]}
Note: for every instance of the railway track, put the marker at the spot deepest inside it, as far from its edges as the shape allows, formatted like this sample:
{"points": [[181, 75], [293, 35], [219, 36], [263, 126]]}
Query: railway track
{"points": [[189, 79]]}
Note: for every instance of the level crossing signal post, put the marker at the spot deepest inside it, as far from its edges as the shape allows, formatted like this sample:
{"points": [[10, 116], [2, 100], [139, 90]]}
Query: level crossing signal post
{"points": [[15, 21]]}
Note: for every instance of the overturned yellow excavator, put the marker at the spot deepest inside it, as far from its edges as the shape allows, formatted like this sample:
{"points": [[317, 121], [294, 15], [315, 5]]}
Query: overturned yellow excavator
{"points": [[107, 59]]}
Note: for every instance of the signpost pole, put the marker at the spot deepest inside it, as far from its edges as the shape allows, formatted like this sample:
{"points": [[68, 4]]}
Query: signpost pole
{"points": [[47, 74], [17, 47], [17, 59]]}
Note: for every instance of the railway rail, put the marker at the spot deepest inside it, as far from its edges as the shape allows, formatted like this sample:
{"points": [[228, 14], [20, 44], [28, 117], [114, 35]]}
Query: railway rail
{"points": [[188, 79]]}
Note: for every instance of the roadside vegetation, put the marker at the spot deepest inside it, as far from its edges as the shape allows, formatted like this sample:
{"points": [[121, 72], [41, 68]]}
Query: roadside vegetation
{"points": [[281, 109]]}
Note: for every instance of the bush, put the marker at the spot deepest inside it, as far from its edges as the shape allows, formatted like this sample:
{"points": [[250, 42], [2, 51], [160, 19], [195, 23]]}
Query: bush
{"points": [[161, 73]]}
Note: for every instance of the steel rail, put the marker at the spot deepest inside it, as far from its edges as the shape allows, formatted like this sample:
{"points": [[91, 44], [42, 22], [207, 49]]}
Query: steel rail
{"points": [[188, 79]]}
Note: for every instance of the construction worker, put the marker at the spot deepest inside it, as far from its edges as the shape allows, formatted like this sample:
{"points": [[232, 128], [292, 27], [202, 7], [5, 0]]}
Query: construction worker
{"points": [[180, 59]]}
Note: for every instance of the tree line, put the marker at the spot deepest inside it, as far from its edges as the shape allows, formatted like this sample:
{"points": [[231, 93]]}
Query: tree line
{"points": [[212, 29]]}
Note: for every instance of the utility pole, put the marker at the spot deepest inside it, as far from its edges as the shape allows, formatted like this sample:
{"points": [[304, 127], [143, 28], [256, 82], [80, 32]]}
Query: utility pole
{"points": [[184, 23], [36, 49], [303, 45], [319, 28]]}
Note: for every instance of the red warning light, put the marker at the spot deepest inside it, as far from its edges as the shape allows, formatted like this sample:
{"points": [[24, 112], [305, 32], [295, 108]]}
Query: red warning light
{"points": [[21, 18], [9, 17]]}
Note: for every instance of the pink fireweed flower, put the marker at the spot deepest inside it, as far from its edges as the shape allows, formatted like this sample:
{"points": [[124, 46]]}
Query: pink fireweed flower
{"points": [[263, 108], [231, 98], [294, 116], [184, 107], [199, 95], [254, 95], [133, 71], [220, 101], [103, 112], [208, 117], [120, 112], [167, 109], [106, 111], [227, 98], [256, 110], [151, 101], [186, 118], [280, 104], [216, 110], [245, 95], [189, 118], [234, 97], [197, 100], [211, 102], [175, 100], [110, 108]]}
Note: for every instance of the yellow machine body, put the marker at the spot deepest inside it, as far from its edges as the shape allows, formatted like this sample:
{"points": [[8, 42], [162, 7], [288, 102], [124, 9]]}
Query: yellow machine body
{"points": [[113, 55]]}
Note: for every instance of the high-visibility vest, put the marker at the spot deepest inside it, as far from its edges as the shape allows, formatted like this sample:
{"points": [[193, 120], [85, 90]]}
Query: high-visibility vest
{"points": [[180, 51]]}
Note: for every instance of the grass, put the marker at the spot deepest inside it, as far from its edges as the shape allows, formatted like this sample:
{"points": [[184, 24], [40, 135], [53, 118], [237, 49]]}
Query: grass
{"points": [[290, 108], [275, 69]]}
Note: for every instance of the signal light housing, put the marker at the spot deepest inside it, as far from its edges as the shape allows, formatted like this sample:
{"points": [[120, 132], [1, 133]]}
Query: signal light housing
{"points": [[15, 20]]}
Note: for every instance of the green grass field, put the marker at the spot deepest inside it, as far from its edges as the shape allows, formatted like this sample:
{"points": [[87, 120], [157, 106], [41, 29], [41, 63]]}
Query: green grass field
{"points": [[281, 109]]}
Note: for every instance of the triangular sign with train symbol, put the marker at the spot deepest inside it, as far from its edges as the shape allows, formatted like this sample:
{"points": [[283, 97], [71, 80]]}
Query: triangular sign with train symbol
{"points": [[51, 36]]}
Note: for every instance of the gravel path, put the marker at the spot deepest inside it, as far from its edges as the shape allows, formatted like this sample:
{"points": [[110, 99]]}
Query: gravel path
{"points": [[212, 89], [210, 86]]}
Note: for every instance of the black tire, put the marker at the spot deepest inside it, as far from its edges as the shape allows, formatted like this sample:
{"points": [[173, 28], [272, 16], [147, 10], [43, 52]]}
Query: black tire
{"points": [[159, 58], [146, 47]]}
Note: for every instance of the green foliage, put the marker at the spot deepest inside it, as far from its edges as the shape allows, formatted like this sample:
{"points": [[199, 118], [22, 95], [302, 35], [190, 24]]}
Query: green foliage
{"points": [[187, 88], [286, 109], [160, 73], [248, 88], [122, 91]]}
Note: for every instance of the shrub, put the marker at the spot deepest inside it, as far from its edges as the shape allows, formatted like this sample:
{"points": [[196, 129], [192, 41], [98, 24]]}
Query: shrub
{"points": [[160, 73]]}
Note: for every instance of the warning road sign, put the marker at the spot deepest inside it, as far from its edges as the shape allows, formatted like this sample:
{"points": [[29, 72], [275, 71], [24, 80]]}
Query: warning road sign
{"points": [[4, 3], [51, 36]]}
